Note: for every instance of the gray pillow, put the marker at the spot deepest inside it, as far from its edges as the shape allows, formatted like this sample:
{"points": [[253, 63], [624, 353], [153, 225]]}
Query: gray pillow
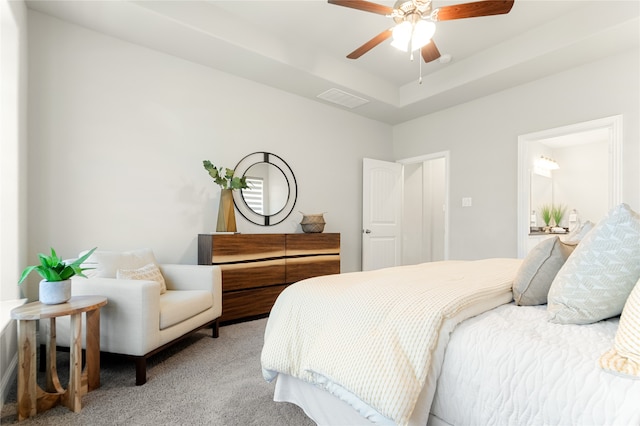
{"points": [[538, 269], [596, 280]]}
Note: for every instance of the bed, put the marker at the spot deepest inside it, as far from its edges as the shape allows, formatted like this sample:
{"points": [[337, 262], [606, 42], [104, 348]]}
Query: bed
{"points": [[444, 343]]}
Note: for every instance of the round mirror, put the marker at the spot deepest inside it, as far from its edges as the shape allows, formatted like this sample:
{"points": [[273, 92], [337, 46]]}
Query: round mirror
{"points": [[272, 191]]}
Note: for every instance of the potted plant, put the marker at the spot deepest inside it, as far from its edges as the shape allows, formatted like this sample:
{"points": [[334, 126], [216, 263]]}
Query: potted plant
{"points": [[228, 182], [558, 213], [545, 212], [56, 273]]}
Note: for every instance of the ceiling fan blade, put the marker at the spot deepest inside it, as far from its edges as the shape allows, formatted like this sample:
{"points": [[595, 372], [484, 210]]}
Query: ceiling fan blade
{"points": [[472, 10], [430, 52], [367, 6], [369, 45]]}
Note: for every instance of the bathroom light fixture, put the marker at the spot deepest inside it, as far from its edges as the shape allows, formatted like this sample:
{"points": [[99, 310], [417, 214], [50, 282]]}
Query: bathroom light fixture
{"points": [[547, 163], [543, 166]]}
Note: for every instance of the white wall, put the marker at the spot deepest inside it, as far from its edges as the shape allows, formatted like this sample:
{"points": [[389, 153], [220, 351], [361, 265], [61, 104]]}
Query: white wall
{"points": [[118, 133], [412, 215], [482, 138], [13, 142], [582, 182]]}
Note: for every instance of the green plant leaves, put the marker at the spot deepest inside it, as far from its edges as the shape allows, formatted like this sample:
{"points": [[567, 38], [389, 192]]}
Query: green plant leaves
{"points": [[226, 180], [53, 269], [558, 213], [552, 211]]}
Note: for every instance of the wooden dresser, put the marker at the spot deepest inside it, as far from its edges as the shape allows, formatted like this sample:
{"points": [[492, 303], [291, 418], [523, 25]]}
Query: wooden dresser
{"points": [[257, 267]]}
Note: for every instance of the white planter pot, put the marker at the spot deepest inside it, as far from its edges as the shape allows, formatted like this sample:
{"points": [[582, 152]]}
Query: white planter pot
{"points": [[53, 293]]}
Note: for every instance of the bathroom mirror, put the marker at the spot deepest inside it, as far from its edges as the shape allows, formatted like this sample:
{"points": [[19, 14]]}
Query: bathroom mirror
{"points": [[272, 191]]}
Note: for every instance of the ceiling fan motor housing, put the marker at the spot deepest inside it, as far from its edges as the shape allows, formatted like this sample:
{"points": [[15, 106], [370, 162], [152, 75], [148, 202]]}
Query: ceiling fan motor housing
{"points": [[410, 10]]}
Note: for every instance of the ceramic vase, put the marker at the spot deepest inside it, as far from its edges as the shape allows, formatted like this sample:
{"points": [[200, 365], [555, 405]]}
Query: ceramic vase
{"points": [[226, 212], [55, 292]]}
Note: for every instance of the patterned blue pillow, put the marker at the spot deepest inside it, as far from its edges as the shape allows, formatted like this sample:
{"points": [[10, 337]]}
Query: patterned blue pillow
{"points": [[596, 280]]}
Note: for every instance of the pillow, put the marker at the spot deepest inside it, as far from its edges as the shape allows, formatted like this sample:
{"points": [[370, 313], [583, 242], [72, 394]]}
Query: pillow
{"points": [[149, 272], [538, 270], [596, 280], [107, 263], [625, 356]]}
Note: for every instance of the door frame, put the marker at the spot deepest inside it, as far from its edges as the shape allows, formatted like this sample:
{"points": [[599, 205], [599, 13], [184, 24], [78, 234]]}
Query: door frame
{"points": [[435, 156]]}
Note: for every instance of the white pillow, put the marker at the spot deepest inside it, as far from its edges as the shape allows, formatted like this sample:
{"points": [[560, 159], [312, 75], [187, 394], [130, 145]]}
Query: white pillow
{"points": [[537, 271], [625, 356], [596, 280], [149, 272], [107, 263]]}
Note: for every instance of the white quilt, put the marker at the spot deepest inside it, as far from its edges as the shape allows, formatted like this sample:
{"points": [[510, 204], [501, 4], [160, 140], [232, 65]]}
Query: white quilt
{"points": [[374, 333], [510, 366]]}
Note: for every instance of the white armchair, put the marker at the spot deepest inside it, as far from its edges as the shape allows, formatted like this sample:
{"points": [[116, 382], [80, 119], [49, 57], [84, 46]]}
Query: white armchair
{"points": [[138, 321]]}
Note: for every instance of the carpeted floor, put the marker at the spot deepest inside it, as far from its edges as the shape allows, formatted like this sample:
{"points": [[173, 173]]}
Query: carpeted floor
{"points": [[200, 381]]}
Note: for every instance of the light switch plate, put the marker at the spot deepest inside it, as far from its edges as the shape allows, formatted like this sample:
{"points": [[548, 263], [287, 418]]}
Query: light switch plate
{"points": [[466, 202]]}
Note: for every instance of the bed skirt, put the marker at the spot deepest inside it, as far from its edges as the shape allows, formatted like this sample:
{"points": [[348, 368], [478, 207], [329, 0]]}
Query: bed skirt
{"points": [[324, 408]]}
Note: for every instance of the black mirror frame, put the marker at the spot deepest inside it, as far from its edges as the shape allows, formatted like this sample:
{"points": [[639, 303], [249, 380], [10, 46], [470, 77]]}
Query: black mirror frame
{"points": [[266, 220]]}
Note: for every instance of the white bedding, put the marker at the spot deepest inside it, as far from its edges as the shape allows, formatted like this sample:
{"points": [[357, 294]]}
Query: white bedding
{"points": [[510, 366], [371, 337]]}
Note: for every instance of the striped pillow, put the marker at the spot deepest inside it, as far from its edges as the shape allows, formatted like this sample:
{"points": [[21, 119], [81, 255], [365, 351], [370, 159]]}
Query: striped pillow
{"points": [[625, 356]]}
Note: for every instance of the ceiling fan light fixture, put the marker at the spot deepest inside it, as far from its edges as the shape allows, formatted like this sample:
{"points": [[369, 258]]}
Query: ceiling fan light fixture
{"points": [[412, 36], [423, 31], [402, 35]]}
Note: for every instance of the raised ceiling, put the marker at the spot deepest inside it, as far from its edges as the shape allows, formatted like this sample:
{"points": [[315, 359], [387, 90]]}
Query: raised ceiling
{"points": [[301, 46]]}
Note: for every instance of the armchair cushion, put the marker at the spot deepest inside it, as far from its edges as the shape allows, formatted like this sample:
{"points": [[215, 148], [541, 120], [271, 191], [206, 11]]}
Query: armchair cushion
{"points": [[148, 272], [178, 306]]}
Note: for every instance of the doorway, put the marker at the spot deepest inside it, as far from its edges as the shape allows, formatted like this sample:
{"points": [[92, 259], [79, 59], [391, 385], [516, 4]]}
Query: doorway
{"points": [[572, 137], [425, 206]]}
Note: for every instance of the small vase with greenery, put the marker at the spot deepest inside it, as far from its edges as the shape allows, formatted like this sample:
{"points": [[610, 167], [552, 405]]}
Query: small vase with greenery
{"points": [[545, 212], [56, 273], [558, 213], [228, 182]]}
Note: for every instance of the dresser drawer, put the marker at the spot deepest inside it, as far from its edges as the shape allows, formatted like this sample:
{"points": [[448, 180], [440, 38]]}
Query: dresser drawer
{"points": [[249, 303], [245, 275], [300, 268]]}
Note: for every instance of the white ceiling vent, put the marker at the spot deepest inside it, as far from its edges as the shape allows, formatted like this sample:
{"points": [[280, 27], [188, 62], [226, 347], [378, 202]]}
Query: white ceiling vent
{"points": [[340, 97]]}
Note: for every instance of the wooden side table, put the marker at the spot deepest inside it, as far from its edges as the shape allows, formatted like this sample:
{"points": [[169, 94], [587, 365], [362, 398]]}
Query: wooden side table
{"points": [[31, 398]]}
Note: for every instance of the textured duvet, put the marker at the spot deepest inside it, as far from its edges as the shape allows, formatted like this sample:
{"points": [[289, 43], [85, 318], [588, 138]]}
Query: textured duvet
{"points": [[372, 335], [510, 366]]}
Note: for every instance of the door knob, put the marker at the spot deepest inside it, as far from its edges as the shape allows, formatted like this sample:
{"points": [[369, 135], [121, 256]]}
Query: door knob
{"points": [[367, 231]]}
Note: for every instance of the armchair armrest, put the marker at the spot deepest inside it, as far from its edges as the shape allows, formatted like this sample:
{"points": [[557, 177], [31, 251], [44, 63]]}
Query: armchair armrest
{"points": [[191, 277], [130, 321]]}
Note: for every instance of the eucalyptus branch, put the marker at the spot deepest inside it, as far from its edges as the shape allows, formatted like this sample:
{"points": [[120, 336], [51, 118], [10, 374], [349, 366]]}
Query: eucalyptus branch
{"points": [[224, 177]]}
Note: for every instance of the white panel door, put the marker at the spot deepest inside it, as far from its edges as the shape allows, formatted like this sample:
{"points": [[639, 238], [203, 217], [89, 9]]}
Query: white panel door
{"points": [[381, 214]]}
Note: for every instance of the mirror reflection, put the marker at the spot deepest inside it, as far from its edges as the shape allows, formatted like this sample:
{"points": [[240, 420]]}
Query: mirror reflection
{"points": [[268, 189]]}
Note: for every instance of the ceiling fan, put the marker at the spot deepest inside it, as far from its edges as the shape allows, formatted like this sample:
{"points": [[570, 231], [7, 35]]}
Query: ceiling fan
{"points": [[415, 22]]}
